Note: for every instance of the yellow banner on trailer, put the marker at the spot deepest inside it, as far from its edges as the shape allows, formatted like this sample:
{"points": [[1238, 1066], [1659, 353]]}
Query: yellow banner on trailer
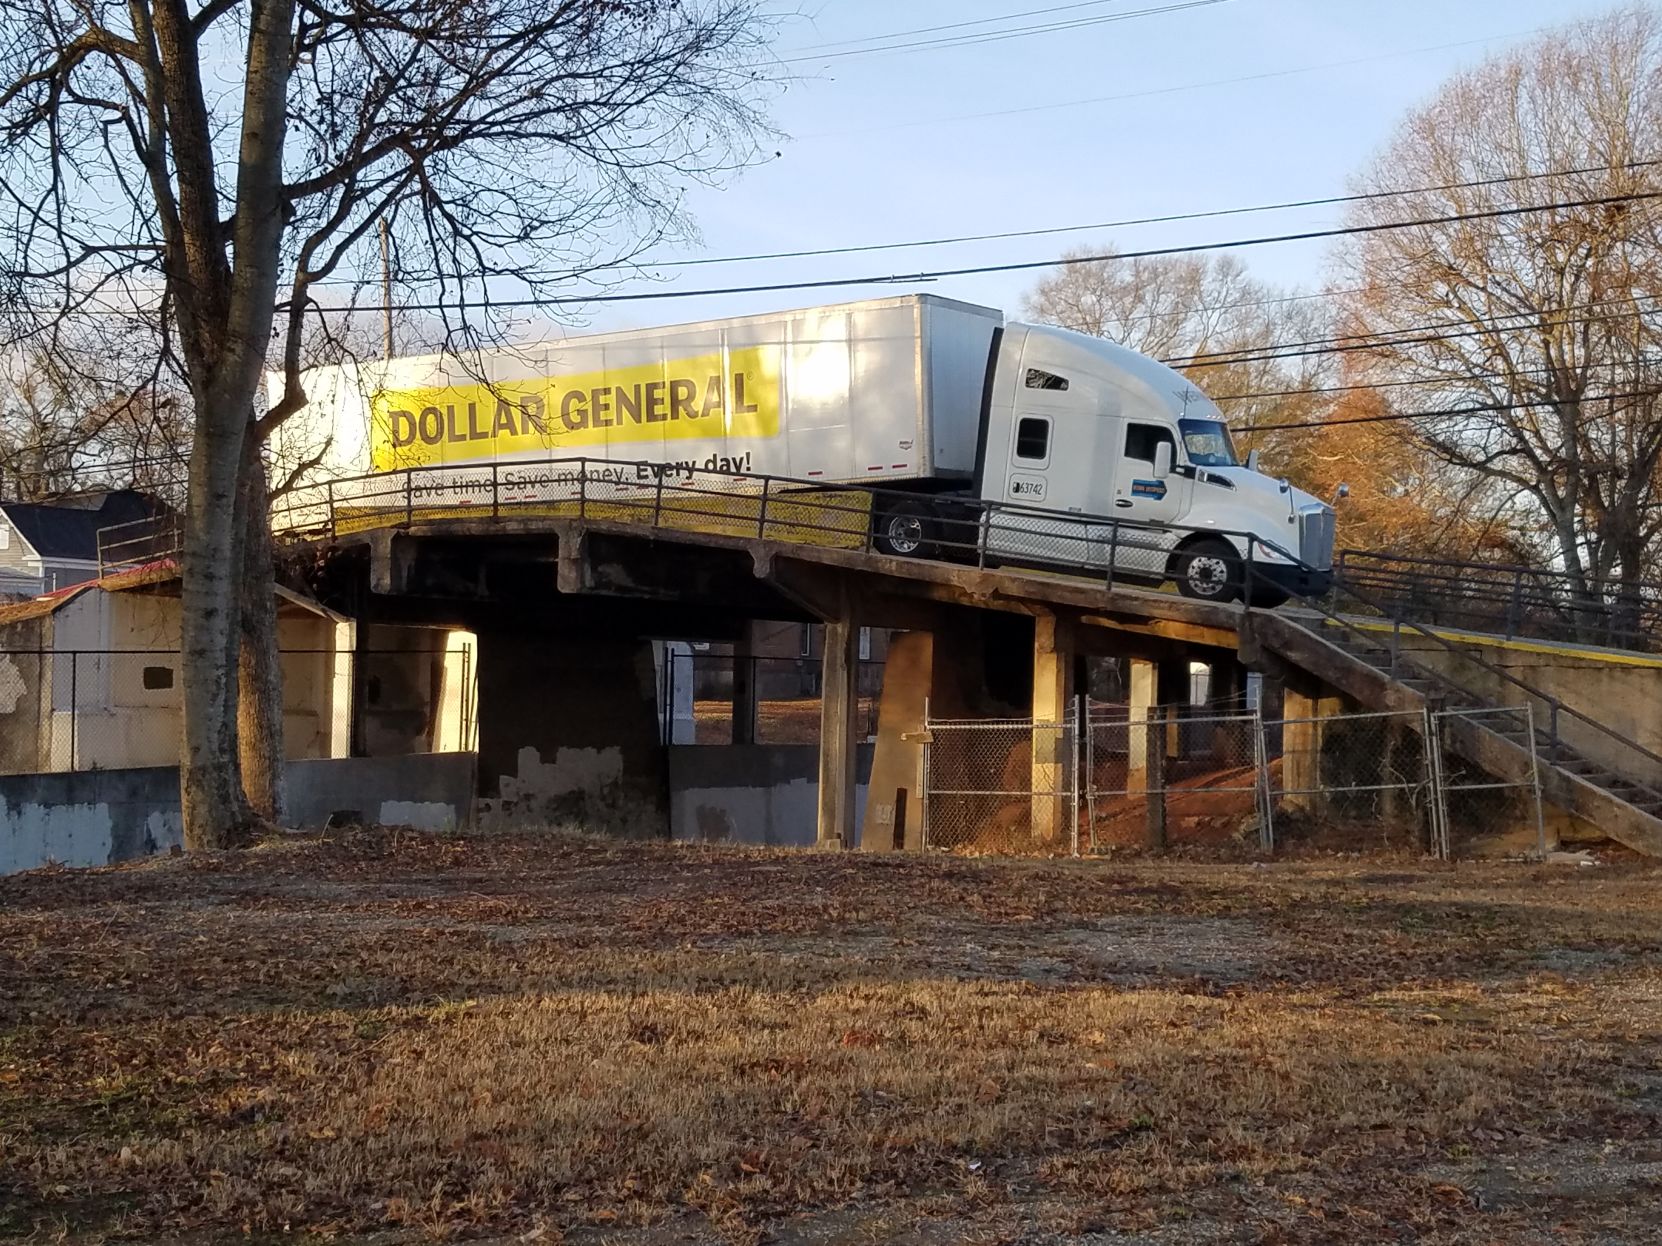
{"points": [[706, 397]]}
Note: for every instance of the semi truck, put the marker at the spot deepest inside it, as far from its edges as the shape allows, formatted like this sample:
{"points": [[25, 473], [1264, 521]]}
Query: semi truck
{"points": [[1094, 457]]}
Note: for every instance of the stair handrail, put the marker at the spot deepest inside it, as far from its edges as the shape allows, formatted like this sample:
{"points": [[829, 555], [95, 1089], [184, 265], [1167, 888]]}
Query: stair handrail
{"points": [[1555, 705]]}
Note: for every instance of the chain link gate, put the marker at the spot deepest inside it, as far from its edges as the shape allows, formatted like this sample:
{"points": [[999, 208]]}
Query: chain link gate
{"points": [[1001, 787], [1161, 778], [1479, 803]]}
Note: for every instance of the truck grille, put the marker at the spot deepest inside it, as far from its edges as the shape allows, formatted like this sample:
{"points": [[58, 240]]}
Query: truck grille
{"points": [[1315, 537]]}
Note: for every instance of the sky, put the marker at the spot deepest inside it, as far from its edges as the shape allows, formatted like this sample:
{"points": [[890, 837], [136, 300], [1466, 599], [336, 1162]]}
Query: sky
{"points": [[1221, 105]]}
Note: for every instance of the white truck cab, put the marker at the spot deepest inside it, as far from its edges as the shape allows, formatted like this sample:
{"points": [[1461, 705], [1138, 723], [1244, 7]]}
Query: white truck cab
{"points": [[1080, 426]]}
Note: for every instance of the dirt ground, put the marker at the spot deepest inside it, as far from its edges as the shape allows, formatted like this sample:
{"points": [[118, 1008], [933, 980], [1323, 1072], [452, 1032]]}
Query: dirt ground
{"points": [[383, 1038]]}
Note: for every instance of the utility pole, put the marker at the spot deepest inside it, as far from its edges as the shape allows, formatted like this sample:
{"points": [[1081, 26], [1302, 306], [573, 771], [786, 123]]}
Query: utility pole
{"points": [[386, 285]]}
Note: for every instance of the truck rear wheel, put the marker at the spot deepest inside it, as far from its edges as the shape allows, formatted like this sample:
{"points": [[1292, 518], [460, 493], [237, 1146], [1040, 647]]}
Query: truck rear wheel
{"points": [[904, 530], [1210, 570]]}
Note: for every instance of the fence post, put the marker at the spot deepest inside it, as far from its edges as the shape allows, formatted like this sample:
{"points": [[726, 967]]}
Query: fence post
{"points": [[924, 780], [1155, 760], [1535, 780], [762, 511], [496, 491], [1073, 813], [1513, 611], [1437, 808], [1089, 778], [409, 497], [74, 703], [1113, 551], [1266, 797]]}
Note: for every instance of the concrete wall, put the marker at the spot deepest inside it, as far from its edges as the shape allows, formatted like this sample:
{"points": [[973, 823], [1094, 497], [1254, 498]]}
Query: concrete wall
{"points": [[1622, 692], [87, 817], [751, 794], [429, 791], [569, 734], [96, 817]]}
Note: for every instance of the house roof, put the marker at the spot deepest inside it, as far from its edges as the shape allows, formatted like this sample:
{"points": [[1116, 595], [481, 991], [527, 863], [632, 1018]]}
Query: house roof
{"points": [[54, 530], [163, 572]]}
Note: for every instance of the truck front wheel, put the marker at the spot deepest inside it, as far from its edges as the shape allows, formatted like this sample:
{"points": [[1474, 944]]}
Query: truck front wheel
{"points": [[903, 530], [1209, 570]]}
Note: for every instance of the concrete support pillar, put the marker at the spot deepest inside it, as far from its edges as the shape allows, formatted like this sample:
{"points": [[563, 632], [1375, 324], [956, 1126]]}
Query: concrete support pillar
{"points": [[839, 709], [1053, 671], [1142, 686], [1305, 706], [744, 689], [569, 735], [894, 798]]}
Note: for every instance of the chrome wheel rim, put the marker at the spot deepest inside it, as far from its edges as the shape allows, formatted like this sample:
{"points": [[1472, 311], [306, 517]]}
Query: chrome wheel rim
{"points": [[1208, 575], [905, 533]]}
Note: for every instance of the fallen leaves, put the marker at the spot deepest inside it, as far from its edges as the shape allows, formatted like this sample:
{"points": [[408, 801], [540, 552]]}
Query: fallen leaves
{"points": [[490, 1036]]}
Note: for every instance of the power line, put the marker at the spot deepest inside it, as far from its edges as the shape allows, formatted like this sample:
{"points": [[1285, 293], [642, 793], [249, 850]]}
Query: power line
{"points": [[929, 30], [487, 304], [1168, 219], [998, 36], [1157, 91], [1491, 408], [1420, 336], [1228, 356], [1321, 390]]}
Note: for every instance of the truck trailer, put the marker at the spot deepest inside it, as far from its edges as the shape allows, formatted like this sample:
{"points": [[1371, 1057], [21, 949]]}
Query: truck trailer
{"points": [[1094, 457]]}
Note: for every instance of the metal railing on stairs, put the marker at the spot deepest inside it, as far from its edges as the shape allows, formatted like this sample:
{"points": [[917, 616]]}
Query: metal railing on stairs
{"points": [[1640, 760]]}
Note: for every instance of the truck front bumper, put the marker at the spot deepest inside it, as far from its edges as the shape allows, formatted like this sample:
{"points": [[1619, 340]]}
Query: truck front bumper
{"points": [[1294, 581]]}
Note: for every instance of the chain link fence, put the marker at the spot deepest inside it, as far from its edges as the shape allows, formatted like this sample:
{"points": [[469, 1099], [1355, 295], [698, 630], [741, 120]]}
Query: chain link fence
{"points": [[1167, 777], [113, 709], [1002, 787], [1186, 778], [1358, 781]]}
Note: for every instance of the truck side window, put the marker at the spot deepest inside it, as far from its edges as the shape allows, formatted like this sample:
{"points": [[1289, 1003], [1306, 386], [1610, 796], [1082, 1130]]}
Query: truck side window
{"points": [[1140, 440], [1032, 439], [1038, 378]]}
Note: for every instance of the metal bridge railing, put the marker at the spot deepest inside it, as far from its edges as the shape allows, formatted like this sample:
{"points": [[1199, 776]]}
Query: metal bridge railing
{"points": [[1511, 600], [790, 510], [1104, 549]]}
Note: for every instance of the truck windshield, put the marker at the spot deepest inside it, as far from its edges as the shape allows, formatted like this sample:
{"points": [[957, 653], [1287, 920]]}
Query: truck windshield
{"points": [[1208, 444]]}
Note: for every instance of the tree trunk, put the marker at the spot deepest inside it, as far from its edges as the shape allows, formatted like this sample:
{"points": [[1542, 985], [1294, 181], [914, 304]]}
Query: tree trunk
{"points": [[259, 668], [210, 788]]}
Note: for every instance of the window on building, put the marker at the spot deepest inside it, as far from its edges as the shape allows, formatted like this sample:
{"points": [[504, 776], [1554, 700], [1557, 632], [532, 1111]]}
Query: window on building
{"points": [[5, 536], [806, 648], [1141, 439], [865, 644], [158, 678], [1033, 439], [1038, 378]]}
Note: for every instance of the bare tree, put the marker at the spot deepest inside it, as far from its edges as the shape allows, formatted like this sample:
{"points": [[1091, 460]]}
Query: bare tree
{"points": [[1548, 315], [211, 168], [61, 432], [1206, 316]]}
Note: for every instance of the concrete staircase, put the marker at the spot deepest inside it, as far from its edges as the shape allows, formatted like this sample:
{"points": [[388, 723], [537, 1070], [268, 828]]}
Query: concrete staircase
{"points": [[1603, 778]]}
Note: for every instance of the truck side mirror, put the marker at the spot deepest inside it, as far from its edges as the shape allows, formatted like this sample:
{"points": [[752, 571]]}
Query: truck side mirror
{"points": [[1162, 460], [1252, 460]]}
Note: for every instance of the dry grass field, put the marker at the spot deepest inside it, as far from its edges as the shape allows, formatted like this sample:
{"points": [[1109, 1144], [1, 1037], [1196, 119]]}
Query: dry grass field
{"points": [[383, 1038]]}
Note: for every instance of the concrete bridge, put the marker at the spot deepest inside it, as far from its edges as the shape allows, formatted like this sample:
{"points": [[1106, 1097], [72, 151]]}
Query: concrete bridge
{"points": [[567, 578]]}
